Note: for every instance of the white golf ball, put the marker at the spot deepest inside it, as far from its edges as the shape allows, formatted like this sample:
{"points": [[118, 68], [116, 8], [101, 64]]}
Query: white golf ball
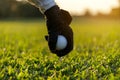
{"points": [[61, 42]]}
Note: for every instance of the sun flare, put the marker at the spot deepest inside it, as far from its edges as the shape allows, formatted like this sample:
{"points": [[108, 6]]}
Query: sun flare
{"points": [[79, 7]]}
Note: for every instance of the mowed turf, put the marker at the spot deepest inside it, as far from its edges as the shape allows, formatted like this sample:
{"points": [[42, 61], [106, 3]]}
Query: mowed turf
{"points": [[24, 53]]}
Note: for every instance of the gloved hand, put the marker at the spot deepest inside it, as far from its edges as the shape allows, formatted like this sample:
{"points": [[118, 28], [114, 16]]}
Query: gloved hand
{"points": [[58, 22]]}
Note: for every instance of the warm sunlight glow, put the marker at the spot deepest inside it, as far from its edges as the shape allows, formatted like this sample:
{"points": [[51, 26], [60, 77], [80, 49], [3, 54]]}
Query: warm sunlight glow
{"points": [[79, 7]]}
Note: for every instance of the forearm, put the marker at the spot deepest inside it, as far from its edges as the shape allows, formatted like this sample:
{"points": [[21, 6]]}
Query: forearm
{"points": [[46, 4], [43, 5]]}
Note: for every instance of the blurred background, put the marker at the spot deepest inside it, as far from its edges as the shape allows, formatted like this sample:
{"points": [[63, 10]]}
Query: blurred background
{"points": [[81, 8]]}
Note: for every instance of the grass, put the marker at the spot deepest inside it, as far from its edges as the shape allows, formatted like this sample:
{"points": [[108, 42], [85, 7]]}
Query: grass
{"points": [[24, 54]]}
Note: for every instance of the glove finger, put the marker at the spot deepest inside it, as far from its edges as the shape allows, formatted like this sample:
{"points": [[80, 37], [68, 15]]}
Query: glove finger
{"points": [[69, 36], [52, 40], [66, 17], [46, 37]]}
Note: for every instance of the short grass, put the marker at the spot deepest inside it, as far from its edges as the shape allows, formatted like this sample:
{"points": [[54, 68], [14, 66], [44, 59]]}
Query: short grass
{"points": [[24, 54]]}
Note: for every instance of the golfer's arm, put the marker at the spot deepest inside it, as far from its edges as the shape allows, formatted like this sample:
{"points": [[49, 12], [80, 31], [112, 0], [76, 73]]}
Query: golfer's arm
{"points": [[46, 4], [43, 5]]}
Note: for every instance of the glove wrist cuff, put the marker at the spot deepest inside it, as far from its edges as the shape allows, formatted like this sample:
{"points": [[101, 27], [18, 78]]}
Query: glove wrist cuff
{"points": [[52, 12]]}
